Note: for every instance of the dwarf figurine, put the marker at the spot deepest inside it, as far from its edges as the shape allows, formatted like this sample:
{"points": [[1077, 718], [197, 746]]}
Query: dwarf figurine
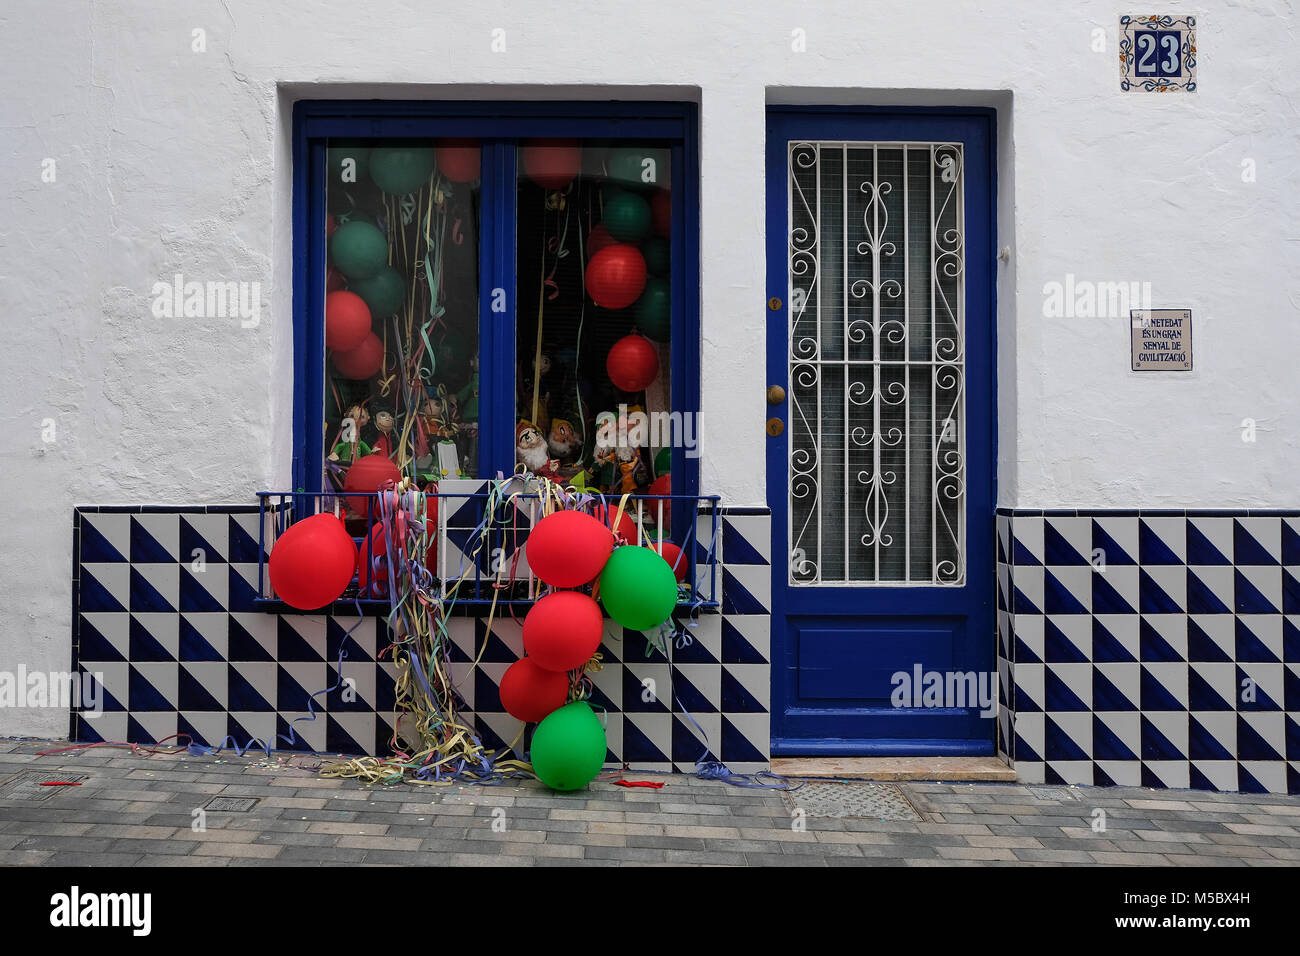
{"points": [[350, 446], [530, 450], [564, 443]]}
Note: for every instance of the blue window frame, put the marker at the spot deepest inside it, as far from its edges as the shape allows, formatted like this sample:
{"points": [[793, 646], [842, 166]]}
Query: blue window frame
{"points": [[499, 126]]}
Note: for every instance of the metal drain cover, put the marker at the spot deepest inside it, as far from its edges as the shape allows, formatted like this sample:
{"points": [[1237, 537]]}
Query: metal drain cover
{"points": [[1053, 793], [27, 785], [877, 801], [231, 804]]}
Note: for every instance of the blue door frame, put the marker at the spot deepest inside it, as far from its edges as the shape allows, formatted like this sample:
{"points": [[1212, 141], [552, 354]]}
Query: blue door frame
{"points": [[834, 648], [499, 125]]}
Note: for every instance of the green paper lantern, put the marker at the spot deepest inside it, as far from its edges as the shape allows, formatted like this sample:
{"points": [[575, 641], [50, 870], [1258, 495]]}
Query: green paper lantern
{"points": [[569, 747], [637, 167], [653, 311], [627, 216], [638, 588], [658, 256], [663, 461], [359, 249], [401, 170], [347, 165], [384, 292]]}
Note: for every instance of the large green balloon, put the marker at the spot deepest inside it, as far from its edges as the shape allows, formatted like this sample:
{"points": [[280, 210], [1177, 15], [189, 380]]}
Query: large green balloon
{"points": [[359, 249], [399, 170], [653, 311], [636, 167], [569, 747], [347, 165], [663, 461], [657, 255], [627, 216], [384, 292], [638, 588]]}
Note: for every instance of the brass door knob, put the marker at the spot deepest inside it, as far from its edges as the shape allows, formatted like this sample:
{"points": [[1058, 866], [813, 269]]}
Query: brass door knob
{"points": [[775, 426], [775, 395]]}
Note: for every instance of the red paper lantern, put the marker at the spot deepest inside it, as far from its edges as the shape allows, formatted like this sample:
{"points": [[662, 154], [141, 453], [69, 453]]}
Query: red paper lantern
{"points": [[347, 320], [333, 279], [552, 163], [562, 630], [599, 239], [367, 475], [362, 362], [626, 526], [616, 276], [529, 692], [632, 363], [459, 160], [568, 548], [661, 212], [673, 555], [312, 563], [330, 225]]}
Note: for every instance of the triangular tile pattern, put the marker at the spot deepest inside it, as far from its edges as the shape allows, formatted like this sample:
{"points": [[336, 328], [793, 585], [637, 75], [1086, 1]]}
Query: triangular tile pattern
{"points": [[1150, 648], [167, 626]]}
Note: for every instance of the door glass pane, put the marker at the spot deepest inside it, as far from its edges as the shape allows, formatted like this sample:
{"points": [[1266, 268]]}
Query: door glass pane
{"points": [[593, 396], [876, 364], [401, 309]]}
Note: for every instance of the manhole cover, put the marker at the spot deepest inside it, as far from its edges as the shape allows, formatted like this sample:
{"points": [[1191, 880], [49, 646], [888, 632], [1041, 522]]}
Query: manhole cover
{"points": [[877, 801], [27, 785], [1053, 793], [231, 804]]}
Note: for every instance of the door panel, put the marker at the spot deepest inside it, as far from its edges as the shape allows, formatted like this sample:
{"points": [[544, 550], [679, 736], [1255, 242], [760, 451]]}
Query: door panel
{"points": [[881, 483]]}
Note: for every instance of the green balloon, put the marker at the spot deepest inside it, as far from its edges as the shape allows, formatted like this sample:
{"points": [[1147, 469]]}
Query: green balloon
{"points": [[348, 165], [359, 249], [627, 216], [638, 588], [384, 292], [653, 311], [569, 747], [636, 167], [663, 462], [400, 170], [657, 254]]}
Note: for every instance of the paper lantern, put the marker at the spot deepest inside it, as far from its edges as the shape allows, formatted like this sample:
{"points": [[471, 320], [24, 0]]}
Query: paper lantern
{"points": [[616, 276], [562, 630], [312, 563], [627, 216], [568, 548], [599, 239], [362, 362], [569, 747], [366, 476], [347, 320], [637, 167], [551, 163], [333, 279], [459, 160], [637, 588], [401, 170], [359, 249], [661, 213], [632, 363], [653, 311], [529, 692], [657, 253], [384, 292]]}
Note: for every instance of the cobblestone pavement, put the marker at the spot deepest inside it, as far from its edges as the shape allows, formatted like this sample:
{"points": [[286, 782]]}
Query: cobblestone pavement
{"points": [[138, 811]]}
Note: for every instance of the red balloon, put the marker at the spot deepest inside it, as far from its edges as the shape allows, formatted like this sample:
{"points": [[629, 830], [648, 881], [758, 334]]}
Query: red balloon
{"points": [[599, 239], [372, 565], [347, 320], [458, 160], [362, 362], [661, 212], [663, 485], [313, 562], [562, 630], [626, 526], [367, 474], [568, 548], [333, 279], [552, 163], [632, 363], [616, 276], [529, 692], [673, 555]]}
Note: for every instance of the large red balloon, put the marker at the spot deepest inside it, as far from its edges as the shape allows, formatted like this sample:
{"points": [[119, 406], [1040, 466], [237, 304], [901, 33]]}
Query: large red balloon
{"points": [[367, 474], [673, 555], [347, 320], [529, 692], [362, 362], [626, 526], [458, 160], [552, 163], [562, 630], [632, 363], [661, 212], [616, 276], [313, 562], [568, 548]]}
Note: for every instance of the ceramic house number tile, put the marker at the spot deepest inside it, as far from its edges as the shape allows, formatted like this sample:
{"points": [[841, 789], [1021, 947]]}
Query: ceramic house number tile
{"points": [[1157, 54]]}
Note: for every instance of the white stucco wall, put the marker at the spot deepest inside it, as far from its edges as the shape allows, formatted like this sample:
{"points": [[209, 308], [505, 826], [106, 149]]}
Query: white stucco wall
{"points": [[174, 161]]}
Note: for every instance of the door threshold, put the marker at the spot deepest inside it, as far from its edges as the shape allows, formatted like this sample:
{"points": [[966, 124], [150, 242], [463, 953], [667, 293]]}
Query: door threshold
{"points": [[896, 768]]}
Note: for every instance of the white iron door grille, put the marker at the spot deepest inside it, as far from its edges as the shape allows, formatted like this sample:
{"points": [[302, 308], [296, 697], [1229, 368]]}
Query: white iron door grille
{"points": [[877, 436]]}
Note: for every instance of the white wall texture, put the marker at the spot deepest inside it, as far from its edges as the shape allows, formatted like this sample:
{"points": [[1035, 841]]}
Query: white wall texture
{"points": [[170, 160]]}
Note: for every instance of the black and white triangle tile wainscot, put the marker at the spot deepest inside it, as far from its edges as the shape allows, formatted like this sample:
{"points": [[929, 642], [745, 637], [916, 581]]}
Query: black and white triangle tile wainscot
{"points": [[1151, 648], [163, 616]]}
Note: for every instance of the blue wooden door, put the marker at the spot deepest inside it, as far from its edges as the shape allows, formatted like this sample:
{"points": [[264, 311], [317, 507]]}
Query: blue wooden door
{"points": [[881, 477]]}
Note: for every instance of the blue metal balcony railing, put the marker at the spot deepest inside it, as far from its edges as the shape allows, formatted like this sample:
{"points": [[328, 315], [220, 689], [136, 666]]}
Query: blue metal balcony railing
{"points": [[474, 560]]}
